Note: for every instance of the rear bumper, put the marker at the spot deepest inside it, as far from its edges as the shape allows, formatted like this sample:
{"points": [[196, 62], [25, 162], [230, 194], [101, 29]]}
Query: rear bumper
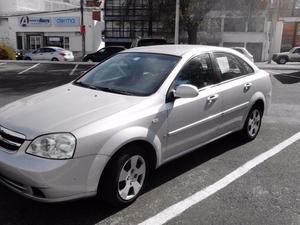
{"points": [[50, 180]]}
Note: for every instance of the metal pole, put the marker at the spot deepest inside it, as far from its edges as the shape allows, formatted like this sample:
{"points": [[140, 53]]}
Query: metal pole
{"points": [[82, 24], [275, 11], [176, 38]]}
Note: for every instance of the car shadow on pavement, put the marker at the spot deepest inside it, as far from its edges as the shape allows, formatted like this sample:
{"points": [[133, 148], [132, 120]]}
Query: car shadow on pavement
{"points": [[291, 78], [15, 209]]}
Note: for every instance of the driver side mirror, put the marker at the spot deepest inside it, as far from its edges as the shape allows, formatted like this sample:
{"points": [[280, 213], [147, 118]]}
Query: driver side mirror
{"points": [[186, 91]]}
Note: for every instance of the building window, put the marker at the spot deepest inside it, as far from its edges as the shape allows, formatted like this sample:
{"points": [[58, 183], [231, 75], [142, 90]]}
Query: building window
{"points": [[256, 25], [234, 25], [63, 42]]}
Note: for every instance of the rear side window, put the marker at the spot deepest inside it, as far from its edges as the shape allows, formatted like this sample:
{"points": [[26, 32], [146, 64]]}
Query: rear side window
{"points": [[197, 72], [229, 66]]}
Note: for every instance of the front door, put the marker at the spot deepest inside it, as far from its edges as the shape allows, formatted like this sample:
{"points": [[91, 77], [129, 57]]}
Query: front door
{"points": [[194, 121]]}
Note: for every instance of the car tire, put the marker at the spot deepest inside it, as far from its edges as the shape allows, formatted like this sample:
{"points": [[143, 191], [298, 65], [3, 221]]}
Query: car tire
{"points": [[54, 59], [282, 60], [125, 176], [27, 58], [252, 124]]}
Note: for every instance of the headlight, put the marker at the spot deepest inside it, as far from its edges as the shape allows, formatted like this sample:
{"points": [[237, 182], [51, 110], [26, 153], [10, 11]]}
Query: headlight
{"points": [[53, 146]]}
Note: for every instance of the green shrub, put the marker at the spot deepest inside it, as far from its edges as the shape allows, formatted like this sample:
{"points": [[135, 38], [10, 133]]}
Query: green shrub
{"points": [[7, 52]]}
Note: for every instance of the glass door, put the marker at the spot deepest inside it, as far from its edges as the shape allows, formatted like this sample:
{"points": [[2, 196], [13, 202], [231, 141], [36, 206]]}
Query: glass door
{"points": [[35, 42]]}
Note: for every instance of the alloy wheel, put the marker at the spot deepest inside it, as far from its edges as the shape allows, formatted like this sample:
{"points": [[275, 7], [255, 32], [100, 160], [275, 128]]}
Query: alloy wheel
{"points": [[132, 177], [254, 123]]}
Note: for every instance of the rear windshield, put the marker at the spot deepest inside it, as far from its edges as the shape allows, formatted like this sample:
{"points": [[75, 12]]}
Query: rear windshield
{"points": [[152, 42]]}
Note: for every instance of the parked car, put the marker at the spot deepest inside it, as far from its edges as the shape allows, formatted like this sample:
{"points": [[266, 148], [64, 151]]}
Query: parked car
{"points": [[50, 54], [103, 54], [292, 56], [245, 52], [19, 55], [106, 131], [139, 42]]}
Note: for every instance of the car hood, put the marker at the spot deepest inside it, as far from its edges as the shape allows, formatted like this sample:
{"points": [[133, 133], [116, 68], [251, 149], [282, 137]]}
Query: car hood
{"points": [[62, 109]]}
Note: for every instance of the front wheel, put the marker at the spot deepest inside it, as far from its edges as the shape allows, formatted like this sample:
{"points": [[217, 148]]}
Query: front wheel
{"points": [[252, 124], [124, 179]]}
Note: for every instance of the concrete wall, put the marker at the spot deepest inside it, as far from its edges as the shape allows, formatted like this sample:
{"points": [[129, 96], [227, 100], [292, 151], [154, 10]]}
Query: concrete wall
{"points": [[4, 31]]}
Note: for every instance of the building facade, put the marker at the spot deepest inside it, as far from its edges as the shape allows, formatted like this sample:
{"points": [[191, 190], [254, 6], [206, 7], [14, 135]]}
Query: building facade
{"points": [[126, 20], [48, 25], [226, 25], [289, 21]]}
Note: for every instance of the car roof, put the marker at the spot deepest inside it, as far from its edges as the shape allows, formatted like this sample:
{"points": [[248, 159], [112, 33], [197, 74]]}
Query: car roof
{"points": [[176, 50]]}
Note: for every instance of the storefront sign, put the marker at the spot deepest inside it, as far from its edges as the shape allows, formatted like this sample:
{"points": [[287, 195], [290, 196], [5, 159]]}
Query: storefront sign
{"points": [[28, 21], [66, 21]]}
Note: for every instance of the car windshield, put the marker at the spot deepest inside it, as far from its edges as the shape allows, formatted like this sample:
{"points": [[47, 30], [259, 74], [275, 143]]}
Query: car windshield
{"points": [[130, 73]]}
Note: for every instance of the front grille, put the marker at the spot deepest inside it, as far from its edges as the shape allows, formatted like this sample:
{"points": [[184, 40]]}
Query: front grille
{"points": [[10, 140]]}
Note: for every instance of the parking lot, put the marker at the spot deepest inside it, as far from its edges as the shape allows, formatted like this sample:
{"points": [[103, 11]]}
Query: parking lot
{"points": [[267, 194]]}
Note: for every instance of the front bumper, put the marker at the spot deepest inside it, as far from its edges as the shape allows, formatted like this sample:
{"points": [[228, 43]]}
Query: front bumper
{"points": [[49, 180]]}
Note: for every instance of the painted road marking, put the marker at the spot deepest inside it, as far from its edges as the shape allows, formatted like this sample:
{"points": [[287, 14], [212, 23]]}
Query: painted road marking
{"points": [[73, 71], [24, 71], [178, 208], [1, 64]]}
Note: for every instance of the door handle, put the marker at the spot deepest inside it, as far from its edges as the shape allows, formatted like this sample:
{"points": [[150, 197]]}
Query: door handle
{"points": [[212, 98], [247, 86]]}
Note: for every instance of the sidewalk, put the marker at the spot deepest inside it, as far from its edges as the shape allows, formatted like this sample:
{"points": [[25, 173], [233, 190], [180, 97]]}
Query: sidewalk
{"points": [[275, 66]]}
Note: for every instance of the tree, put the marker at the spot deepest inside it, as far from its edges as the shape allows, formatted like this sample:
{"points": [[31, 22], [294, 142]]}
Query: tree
{"points": [[192, 13]]}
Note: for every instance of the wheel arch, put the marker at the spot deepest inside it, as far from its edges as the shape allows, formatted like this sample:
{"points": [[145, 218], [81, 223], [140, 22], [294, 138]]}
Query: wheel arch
{"points": [[257, 99]]}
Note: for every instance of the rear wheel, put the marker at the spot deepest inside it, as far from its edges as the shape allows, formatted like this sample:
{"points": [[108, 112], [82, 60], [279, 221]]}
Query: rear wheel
{"points": [[282, 60], [54, 59], [124, 178], [27, 58], [252, 124]]}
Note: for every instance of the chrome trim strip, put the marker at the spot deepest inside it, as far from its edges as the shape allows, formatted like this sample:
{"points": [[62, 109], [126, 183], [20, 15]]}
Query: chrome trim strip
{"points": [[194, 124], [12, 133], [9, 142], [235, 108], [181, 129]]}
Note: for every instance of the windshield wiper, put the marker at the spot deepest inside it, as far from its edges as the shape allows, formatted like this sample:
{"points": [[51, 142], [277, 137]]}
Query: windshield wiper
{"points": [[112, 90], [80, 83]]}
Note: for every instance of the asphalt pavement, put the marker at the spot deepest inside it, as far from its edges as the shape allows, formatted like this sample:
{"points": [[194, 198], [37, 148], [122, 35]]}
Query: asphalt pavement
{"points": [[268, 194]]}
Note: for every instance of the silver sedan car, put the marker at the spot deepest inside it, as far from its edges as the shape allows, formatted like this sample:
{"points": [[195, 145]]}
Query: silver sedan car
{"points": [[105, 132]]}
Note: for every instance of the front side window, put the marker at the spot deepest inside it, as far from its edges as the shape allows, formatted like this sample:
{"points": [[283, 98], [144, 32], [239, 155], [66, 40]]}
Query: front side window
{"points": [[229, 66], [138, 74], [197, 72]]}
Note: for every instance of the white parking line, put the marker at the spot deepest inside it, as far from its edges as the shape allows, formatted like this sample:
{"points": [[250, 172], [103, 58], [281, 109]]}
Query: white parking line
{"points": [[2, 64], [73, 71], [178, 208], [24, 71]]}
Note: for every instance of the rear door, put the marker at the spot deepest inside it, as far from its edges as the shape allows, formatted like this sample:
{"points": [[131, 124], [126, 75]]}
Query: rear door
{"points": [[194, 121], [236, 87]]}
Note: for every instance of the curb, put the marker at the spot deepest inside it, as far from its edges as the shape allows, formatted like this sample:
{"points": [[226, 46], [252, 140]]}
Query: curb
{"points": [[46, 62]]}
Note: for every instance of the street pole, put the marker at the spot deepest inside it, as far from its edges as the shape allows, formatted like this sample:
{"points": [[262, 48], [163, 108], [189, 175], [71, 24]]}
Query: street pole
{"points": [[82, 28], [176, 38], [274, 8]]}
